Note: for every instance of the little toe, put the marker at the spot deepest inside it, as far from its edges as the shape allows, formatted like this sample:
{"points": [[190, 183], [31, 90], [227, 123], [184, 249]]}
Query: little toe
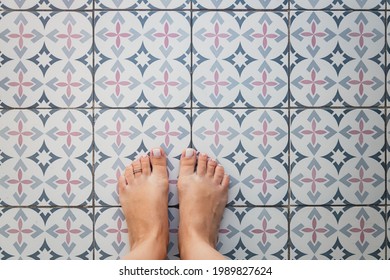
{"points": [[187, 162], [211, 165], [121, 184], [129, 175], [219, 173], [225, 181], [137, 169], [202, 165], [159, 162], [145, 165]]}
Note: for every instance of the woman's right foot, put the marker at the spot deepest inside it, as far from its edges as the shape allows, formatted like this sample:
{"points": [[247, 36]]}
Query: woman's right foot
{"points": [[202, 196]]}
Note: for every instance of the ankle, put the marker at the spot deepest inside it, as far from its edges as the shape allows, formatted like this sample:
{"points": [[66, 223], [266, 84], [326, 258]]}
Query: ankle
{"points": [[188, 239]]}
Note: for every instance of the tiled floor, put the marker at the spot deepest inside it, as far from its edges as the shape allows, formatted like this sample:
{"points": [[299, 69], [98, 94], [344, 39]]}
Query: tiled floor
{"points": [[290, 96]]}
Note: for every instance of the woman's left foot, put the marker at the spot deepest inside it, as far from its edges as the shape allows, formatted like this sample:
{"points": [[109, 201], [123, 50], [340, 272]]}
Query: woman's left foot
{"points": [[143, 194]]}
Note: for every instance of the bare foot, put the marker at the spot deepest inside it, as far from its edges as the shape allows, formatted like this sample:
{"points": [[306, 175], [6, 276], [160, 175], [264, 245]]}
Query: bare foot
{"points": [[143, 194], [202, 197]]}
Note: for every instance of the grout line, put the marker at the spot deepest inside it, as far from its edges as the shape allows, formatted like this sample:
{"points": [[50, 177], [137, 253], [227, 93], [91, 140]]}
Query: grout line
{"points": [[289, 140], [93, 134], [386, 138]]}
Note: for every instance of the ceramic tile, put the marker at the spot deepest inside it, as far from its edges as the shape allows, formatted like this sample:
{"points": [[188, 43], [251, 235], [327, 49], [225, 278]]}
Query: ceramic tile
{"points": [[46, 157], [388, 234], [142, 59], [240, 4], [142, 4], [111, 233], [240, 59], [338, 59], [337, 4], [388, 59], [122, 135], [252, 146], [46, 4], [337, 233], [337, 157], [45, 233], [289, 96], [254, 233], [46, 59]]}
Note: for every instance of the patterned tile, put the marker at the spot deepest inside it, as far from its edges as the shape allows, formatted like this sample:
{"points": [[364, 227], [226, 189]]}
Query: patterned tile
{"points": [[142, 4], [44, 233], [46, 4], [254, 233], [46, 59], [338, 4], [338, 59], [388, 233], [240, 59], [388, 58], [337, 157], [252, 146], [337, 233], [289, 96], [46, 157], [142, 59], [111, 233], [121, 136], [240, 4]]}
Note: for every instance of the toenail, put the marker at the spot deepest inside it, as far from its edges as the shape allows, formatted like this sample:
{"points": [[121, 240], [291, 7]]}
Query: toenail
{"points": [[156, 153], [189, 153]]}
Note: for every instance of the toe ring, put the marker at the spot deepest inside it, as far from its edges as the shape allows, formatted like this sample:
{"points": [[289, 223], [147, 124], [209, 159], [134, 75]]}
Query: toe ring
{"points": [[137, 170]]}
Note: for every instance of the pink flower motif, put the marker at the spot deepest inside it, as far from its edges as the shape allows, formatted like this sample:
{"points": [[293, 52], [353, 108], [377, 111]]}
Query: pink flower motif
{"points": [[166, 35], [68, 231], [20, 133], [314, 131], [69, 36], [361, 180], [361, 132], [21, 35], [216, 35], [116, 179], [264, 83], [167, 133], [20, 231], [216, 83], [118, 83], [313, 34], [314, 180], [361, 82], [361, 34], [166, 83], [314, 230], [265, 133], [69, 84], [264, 231], [216, 132], [118, 35], [20, 84], [313, 82], [265, 36], [68, 182], [118, 133], [362, 230], [20, 182], [68, 133], [119, 230], [264, 181]]}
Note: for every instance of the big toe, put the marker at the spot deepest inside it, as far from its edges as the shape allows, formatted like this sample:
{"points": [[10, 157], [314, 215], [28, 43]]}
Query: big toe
{"points": [[159, 162], [187, 162]]}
